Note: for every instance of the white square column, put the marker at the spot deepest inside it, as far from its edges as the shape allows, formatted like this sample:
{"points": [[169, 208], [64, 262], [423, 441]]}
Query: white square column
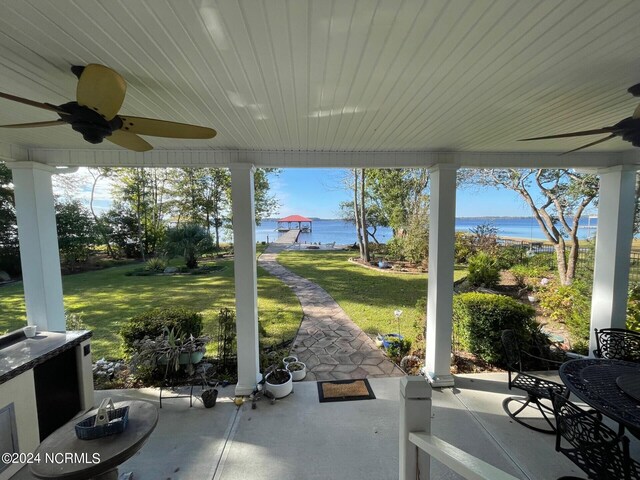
{"points": [[616, 210], [246, 277], [38, 236], [442, 219]]}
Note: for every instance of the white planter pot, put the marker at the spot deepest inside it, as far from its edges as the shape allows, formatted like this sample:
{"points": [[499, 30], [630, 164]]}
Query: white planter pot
{"points": [[281, 390], [298, 374], [289, 359]]}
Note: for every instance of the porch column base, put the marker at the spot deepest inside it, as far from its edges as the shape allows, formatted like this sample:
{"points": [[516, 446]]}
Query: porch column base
{"points": [[246, 390], [440, 381]]}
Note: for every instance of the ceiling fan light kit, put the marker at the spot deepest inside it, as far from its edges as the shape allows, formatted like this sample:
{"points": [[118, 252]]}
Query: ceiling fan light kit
{"points": [[94, 114]]}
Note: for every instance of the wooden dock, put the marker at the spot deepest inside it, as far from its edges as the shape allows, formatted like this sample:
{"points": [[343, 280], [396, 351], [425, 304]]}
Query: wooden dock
{"points": [[288, 238]]}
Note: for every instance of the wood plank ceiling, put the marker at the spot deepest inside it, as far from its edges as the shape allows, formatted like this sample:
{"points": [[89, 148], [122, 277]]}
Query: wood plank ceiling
{"points": [[342, 75]]}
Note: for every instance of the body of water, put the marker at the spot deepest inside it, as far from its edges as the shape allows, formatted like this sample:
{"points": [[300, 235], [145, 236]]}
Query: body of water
{"points": [[343, 233]]}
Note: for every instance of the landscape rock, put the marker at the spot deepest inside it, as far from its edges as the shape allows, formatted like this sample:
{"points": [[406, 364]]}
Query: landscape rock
{"points": [[171, 270]]}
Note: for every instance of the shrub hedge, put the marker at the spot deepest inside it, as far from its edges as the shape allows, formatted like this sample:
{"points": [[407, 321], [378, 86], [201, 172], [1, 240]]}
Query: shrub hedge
{"points": [[152, 323], [479, 318]]}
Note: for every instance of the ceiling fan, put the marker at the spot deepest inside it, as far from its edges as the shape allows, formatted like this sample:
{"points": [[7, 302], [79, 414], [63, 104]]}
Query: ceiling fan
{"points": [[628, 129], [94, 114]]}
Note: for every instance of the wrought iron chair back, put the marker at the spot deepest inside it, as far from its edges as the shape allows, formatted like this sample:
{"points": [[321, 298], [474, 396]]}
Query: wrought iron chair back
{"points": [[598, 450], [617, 344], [536, 388]]}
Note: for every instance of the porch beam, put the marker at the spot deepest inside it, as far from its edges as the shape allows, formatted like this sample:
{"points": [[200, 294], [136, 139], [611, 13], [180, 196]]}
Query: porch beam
{"points": [[38, 237], [442, 218], [246, 277], [338, 159], [613, 249]]}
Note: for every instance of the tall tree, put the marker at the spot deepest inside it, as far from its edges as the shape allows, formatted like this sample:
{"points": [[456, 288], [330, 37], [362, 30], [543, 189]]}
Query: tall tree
{"points": [[9, 249], [97, 174], [401, 193], [266, 203], [143, 192], [565, 194], [76, 232], [215, 200], [363, 215], [201, 197]]}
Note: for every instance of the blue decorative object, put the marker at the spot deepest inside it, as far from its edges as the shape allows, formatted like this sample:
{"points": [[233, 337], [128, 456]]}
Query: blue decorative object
{"points": [[116, 421], [389, 338]]}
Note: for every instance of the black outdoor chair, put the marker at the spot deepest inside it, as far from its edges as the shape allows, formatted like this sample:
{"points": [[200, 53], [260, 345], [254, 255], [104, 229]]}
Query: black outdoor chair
{"points": [[536, 388], [618, 344], [599, 451]]}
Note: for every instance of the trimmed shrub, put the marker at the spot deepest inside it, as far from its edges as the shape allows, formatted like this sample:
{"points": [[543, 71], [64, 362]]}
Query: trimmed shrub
{"points": [[483, 271], [479, 318], [153, 322]]}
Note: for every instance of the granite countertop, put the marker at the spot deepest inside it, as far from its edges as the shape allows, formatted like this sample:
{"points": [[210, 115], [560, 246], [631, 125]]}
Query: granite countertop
{"points": [[26, 353]]}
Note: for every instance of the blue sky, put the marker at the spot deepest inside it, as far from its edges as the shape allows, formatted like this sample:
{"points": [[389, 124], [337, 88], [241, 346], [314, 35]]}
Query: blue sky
{"points": [[317, 193]]}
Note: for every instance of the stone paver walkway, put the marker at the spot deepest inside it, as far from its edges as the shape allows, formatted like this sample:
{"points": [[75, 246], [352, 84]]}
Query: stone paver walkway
{"points": [[332, 346]]}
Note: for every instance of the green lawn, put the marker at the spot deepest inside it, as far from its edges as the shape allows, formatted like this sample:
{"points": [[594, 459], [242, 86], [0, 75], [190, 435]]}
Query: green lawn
{"points": [[368, 296], [108, 297]]}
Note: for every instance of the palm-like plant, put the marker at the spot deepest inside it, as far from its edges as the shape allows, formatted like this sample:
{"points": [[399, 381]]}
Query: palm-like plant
{"points": [[190, 241]]}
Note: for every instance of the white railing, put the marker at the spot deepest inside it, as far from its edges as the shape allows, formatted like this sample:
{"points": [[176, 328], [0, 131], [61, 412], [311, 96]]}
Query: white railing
{"points": [[418, 446]]}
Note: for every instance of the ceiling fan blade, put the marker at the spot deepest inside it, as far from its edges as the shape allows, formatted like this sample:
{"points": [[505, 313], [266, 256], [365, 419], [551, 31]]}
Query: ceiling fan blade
{"points": [[101, 89], [32, 103], [129, 141], [163, 128], [590, 144], [572, 134], [51, 123], [636, 112]]}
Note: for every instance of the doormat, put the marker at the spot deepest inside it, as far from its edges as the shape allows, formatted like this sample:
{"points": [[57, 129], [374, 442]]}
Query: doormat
{"points": [[345, 390]]}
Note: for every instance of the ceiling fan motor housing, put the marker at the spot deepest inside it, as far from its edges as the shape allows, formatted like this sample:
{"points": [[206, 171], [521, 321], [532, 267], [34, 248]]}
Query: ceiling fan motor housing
{"points": [[629, 130], [90, 123]]}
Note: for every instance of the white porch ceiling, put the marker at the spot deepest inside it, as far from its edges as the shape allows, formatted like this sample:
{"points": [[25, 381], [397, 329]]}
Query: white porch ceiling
{"points": [[339, 76]]}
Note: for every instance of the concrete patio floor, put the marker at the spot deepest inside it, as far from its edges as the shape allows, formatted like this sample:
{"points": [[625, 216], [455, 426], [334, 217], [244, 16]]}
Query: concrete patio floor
{"points": [[299, 438]]}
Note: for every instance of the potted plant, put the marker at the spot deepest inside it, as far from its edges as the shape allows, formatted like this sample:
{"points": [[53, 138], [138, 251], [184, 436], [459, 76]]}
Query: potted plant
{"points": [[289, 359], [277, 379], [298, 370], [170, 350]]}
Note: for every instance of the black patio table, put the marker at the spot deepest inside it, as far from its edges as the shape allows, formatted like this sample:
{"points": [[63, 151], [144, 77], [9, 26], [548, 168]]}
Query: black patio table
{"points": [[612, 387]]}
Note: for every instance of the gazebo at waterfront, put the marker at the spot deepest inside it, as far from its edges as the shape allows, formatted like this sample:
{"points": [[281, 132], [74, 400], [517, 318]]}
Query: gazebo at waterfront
{"points": [[293, 219]]}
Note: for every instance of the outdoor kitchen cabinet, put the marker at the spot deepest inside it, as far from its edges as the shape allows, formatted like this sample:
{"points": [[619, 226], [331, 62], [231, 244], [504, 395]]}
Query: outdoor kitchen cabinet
{"points": [[44, 382]]}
